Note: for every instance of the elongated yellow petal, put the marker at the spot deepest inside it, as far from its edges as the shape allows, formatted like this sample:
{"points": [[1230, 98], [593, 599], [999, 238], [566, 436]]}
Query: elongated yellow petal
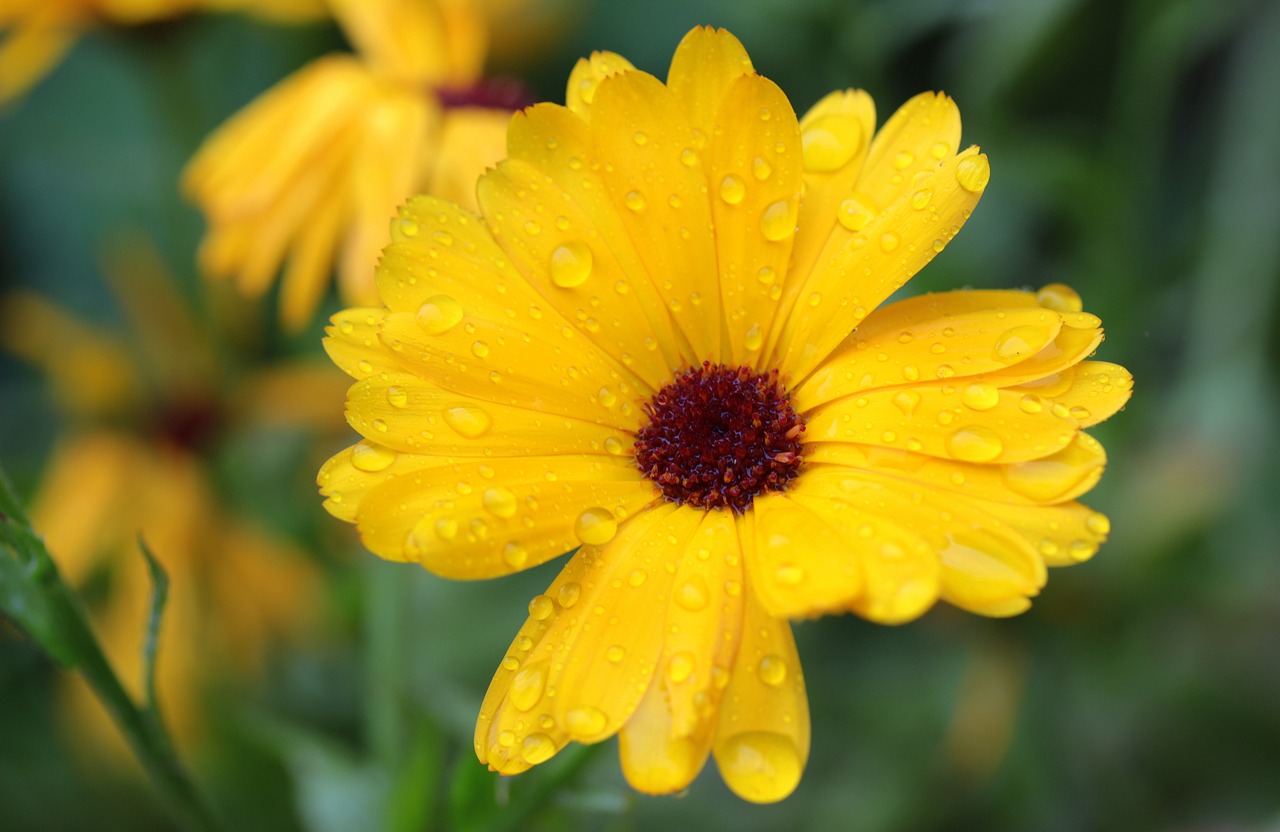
{"points": [[762, 740], [584, 659], [706, 64], [586, 77]]}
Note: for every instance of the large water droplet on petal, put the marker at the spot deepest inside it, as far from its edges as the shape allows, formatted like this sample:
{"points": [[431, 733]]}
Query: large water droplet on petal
{"points": [[1060, 298], [760, 766], [570, 264], [732, 190], [772, 670], [693, 594], [469, 421], [439, 314], [499, 501], [975, 443], [370, 458], [1020, 343], [585, 721], [778, 220], [980, 396], [527, 685], [595, 526], [831, 141], [680, 667], [537, 748], [856, 212], [973, 173]]}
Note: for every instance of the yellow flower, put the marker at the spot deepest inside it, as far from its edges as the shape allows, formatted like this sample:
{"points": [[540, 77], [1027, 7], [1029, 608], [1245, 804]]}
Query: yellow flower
{"points": [[312, 169], [39, 32], [133, 464], [664, 340]]}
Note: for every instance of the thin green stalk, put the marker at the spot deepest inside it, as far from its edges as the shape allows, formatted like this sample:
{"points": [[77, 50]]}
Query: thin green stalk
{"points": [[34, 595]]}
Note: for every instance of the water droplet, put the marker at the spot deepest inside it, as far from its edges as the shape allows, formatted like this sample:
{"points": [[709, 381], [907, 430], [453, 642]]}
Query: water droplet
{"points": [[693, 594], [595, 526], [1059, 298], [788, 574], [439, 314], [515, 555], [368, 457], [1020, 343], [640, 139], [499, 501], [506, 739], [532, 228], [637, 577], [634, 200], [527, 685], [443, 238], [541, 608], [973, 173], [753, 339], [975, 444], [538, 748], [889, 241], [766, 275], [1098, 524], [1031, 404], [570, 264], [397, 397], [480, 349], [606, 397], [778, 220], [569, 594], [761, 169], [688, 157], [615, 653], [772, 670], [446, 528], [585, 721], [680, 667], [1081, 550], [980, 396], [409, 228], [831, 141], [380, 426], [907, 401], [920, 199], [614, 446], [759, 766], [940, 150], [510, 663], [469, 421], [732, 190], [856, 211], [364, 366]]}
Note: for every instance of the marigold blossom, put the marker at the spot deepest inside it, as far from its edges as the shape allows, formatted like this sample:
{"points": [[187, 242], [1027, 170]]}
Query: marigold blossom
{"points": [[311, 170], [664, 341]]}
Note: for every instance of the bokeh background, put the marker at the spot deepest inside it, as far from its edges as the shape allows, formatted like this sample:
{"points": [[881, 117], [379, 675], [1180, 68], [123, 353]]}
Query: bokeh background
{"points": [[1134, 148]]}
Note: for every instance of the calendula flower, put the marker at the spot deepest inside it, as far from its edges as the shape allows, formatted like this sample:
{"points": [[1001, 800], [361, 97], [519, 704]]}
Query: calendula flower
{"points": [[143, 416], [312, 170], [664, 341], [37, 33]]}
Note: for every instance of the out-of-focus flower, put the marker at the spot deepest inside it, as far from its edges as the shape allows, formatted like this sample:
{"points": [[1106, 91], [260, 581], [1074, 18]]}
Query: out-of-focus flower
{"points": [[143, 415], [314, 168], [664, 341], [37, 33]]}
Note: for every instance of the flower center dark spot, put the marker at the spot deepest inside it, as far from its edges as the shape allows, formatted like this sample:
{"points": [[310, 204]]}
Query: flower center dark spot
{"points": [[719, 436], [489, 93]]}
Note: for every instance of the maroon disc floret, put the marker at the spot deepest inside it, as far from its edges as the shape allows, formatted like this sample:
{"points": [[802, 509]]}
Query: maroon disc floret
{"points": [[719, 436]]}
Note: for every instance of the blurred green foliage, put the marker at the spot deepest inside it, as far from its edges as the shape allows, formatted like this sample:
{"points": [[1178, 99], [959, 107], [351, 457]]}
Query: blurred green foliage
{"points": [[1134, 154]]}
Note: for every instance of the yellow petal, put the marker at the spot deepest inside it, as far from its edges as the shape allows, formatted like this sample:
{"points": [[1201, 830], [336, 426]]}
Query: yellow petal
{"points": [[349, 475], [800, 565], [706, 64], [481, 519], [639, 132], [922, 133], [586, 76], [412, 415], [582, 662], [967, 421], [29, 52], [762, 739], [857, 270], [307, 276], [1064, 535], [888, 351], [655, 759], [408, 40], [754, 171], [471, 140], [1098, 390], [558, 143], [352, 341]]}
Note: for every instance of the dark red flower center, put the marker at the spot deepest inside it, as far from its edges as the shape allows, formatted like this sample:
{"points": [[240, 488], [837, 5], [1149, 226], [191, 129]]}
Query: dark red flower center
{"points": [[719, 436], [489, 93]]}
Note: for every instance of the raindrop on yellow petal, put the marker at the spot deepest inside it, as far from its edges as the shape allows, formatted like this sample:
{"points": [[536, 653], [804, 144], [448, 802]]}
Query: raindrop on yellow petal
{"points": [[1098, 523], [830, 142], [980, 396], [766, 275], [680, 667], [371, 458], [889, 241], [614, 446], [469, 421], [1081, 550], [973, 173], [569, 594], [772, 670], [439, 314], [903, 159], [498, 501], [1019, 343], [447, 528], [515, 555], [688, 157], [732, 190], [788, 574], [480, 349], [634, 200], [570, 265], [537, 748], [541, 608], [975, 444], [527, 686], [397, 397], [693, 594], [761, 169], [1059, 298], [585, 721], [606, 397], [409, 228], [753, 339], [778, 220], [856, 211], [595, 526], [760, 766], [615, 653]]}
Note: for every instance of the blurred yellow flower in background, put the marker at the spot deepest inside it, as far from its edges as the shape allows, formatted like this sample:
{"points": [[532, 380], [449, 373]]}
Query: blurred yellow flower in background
{"points": [[312, 171], [37, 33], [664, 340], [143, 414]]}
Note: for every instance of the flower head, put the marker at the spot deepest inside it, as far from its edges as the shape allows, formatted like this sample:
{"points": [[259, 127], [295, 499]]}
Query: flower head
{"points": [[312, 169], [664, 341]]}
